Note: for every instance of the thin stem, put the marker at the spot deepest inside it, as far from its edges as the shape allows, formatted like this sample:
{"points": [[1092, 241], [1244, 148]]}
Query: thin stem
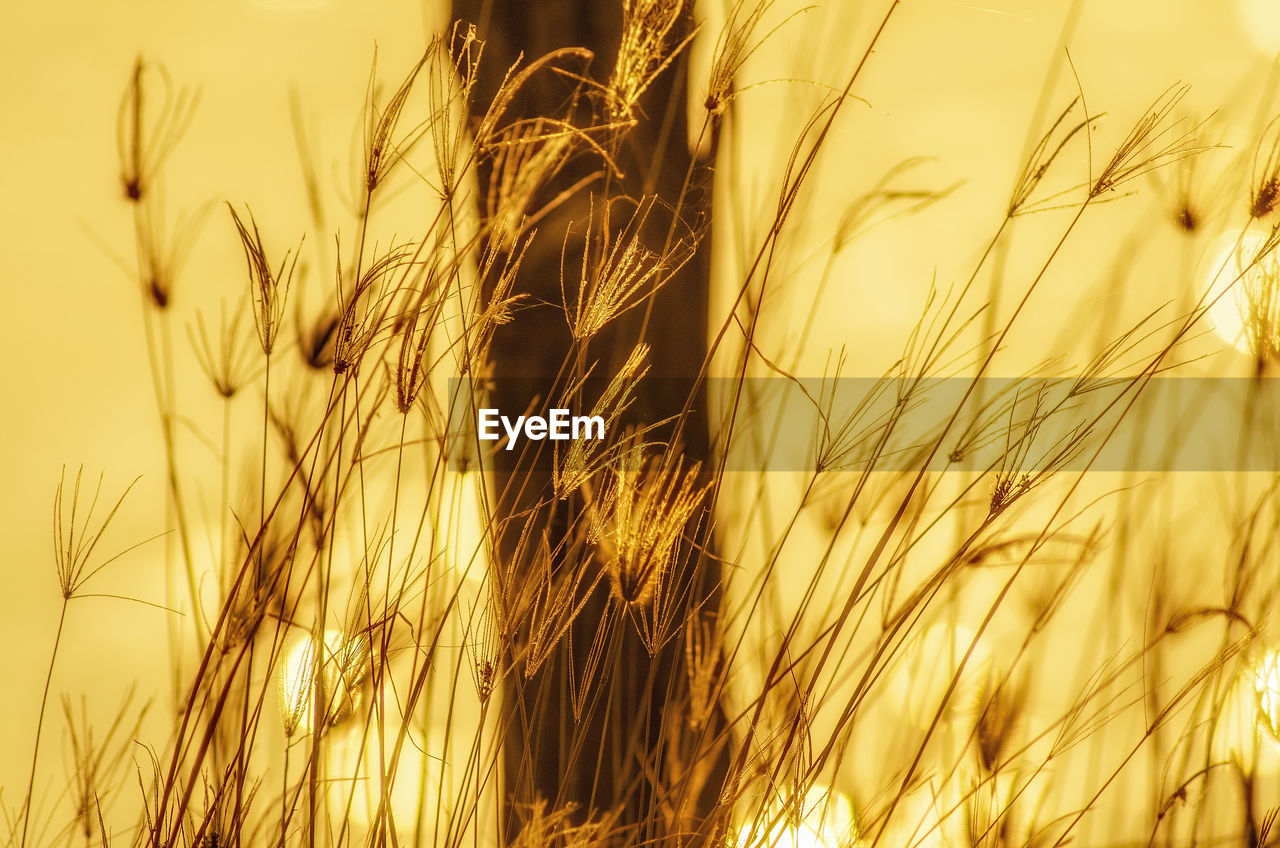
{"points": [[44, 700]]}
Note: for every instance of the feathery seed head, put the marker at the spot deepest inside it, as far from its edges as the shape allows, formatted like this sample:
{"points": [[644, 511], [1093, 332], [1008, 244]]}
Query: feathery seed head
{"points": [[1264, 193], [1002, 707], [1154, 141], [268, 288], [363, 311], [335, 669], [227, 366], [381, 149], [584, 457], [648, 28], [74, 544], [142, 145], [703, 666], [618, 271], [640, 520], [1043, 155], [526, 157]]}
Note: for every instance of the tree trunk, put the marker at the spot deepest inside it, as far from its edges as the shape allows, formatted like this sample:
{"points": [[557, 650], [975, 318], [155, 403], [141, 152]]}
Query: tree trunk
{"points": [[617, 757]]}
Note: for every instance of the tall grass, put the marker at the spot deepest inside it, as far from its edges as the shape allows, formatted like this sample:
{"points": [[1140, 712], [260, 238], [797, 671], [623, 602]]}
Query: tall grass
{"points": [[405, 634]]}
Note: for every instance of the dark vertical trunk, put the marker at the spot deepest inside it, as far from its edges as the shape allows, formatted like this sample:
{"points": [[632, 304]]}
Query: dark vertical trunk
{"points": [[614, 771]]}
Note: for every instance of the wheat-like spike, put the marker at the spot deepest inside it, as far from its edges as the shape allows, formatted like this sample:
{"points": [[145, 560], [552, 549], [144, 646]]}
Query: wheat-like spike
{"points": [[647, 29], [584, 457], [640, 521], [625, 272]]}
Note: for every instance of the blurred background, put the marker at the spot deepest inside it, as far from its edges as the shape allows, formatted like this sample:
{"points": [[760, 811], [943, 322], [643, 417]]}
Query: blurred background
{"points": [[964, 87]]}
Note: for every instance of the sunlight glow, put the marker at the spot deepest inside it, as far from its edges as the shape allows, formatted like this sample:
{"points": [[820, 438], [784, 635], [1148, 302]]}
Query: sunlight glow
{"points": [[1260, 20], [826, 821], [1241, 292], [926, 667], [340, 665], [363, 765], [1247, 729], [1267, 688]]}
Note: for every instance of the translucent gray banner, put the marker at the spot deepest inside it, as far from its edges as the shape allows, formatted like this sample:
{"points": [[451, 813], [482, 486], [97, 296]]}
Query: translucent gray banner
{"points": [[1030, 425]]}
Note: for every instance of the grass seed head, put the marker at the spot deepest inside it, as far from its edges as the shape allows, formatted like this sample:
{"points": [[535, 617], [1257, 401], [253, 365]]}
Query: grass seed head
{"points": [[144, 139], [584, 457], [1264, 190], [650, 29], [74, 543], [334, 668], [269, 289], [639, 523], [618, 271], [228, 365], [382, 150], [1156, 140]]}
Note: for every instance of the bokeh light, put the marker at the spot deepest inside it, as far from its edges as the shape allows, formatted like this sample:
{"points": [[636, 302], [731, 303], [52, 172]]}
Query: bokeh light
{"points": [[826, 820], [339, 663], [1242, 289], [1260, 20]]}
